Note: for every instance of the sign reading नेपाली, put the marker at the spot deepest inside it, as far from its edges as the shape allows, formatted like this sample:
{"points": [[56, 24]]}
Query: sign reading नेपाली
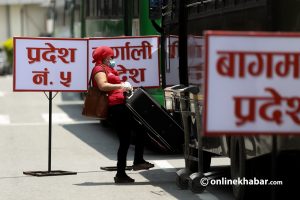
{"points": [[137, 59], [252, 83], [50, 64]]}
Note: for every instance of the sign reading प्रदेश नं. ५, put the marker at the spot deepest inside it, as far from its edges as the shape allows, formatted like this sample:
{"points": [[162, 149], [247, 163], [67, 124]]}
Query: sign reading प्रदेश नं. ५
{"points": [[50, 64]]}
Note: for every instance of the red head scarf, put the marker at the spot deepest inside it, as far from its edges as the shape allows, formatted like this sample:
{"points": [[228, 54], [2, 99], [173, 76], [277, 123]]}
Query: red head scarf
{"points": [[101, 53]]}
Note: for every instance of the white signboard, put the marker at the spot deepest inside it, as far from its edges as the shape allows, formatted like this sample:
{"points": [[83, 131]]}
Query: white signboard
{"points": [[252, 83], [195, 55], [195, 59], [50, 64], [137, 59]]}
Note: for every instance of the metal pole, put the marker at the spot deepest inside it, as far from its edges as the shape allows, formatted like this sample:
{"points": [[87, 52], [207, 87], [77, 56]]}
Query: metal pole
{"points": [[72, 19], [22, 20], [8, 21], [82, 19], [50, 131], [128, 14], [49, 172], [199, 134], [185, 122], [53, 5], [183, 60], [274, 165]]}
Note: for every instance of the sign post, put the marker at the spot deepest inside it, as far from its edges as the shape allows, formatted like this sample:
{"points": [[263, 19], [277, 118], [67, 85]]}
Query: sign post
{"points": [[50, 132], [50, 64]]}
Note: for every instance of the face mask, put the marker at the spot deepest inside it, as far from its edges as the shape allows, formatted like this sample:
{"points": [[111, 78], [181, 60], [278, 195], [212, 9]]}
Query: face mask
{"points": [[112, 63]]}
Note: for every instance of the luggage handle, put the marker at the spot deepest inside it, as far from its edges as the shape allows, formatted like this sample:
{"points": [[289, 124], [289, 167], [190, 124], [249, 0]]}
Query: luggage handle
{"points": [[129, 94], [191, 89], [173, 88]]}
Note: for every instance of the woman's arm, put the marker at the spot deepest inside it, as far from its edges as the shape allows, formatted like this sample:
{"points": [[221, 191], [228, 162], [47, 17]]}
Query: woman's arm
{"points": [[103, 85]]}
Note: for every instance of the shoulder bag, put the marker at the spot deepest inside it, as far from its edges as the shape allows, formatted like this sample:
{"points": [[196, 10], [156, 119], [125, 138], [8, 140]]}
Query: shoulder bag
{"points": [[95, 102]]}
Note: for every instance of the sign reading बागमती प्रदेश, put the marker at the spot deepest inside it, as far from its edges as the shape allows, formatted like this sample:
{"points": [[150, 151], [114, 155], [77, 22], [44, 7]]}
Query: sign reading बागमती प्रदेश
{"points": [[252, 82], [50, 64]]}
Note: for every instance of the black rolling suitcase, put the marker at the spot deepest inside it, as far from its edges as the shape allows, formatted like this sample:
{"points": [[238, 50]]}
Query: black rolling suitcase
{"points": [[160, 125]]}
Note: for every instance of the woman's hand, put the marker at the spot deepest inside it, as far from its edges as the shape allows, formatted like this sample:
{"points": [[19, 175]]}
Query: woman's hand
{"points": [[126, 86]]}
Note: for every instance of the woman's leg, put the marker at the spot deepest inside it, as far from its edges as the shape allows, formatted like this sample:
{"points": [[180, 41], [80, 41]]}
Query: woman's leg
{"points": [[139, 144], [120, 122], [122, 153], [139, 163]]}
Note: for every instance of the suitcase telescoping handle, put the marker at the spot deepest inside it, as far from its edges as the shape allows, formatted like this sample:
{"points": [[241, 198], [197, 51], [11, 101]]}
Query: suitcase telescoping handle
{"points": [[128, 94], [182, 89], [174, 88]]}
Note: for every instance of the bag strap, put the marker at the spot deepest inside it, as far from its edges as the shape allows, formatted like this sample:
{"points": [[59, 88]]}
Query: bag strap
{"points": [[90, 81]]}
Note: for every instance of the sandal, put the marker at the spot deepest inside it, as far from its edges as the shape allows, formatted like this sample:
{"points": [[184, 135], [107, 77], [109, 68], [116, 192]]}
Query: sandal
{"points": [[141, 166], [123, 179]]}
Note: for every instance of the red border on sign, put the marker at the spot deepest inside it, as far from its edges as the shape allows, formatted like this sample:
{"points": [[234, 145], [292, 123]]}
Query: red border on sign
{"points": [[42, 38], [128, 37], [209, 33]]}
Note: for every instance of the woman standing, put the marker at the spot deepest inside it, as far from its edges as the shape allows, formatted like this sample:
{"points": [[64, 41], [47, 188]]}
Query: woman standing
{"points": [[107, 79]]}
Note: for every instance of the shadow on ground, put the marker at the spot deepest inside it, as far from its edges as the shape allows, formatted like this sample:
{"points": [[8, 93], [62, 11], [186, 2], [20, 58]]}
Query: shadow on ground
{"points": [[102, 139], [73, 110], [166, 181], [71, 96]]}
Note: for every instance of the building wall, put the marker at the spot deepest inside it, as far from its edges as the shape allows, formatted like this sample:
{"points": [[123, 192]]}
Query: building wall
{"points": [[25, 20], [34, 20], [15, 20], [3, 29]]}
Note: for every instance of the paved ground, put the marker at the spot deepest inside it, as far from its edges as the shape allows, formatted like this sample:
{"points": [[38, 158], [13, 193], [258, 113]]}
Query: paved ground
{"points": [[80, 145]]}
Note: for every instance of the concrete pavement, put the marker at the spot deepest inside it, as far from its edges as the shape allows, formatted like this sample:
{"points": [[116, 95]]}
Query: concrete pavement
{"points": [[79, 144]]}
